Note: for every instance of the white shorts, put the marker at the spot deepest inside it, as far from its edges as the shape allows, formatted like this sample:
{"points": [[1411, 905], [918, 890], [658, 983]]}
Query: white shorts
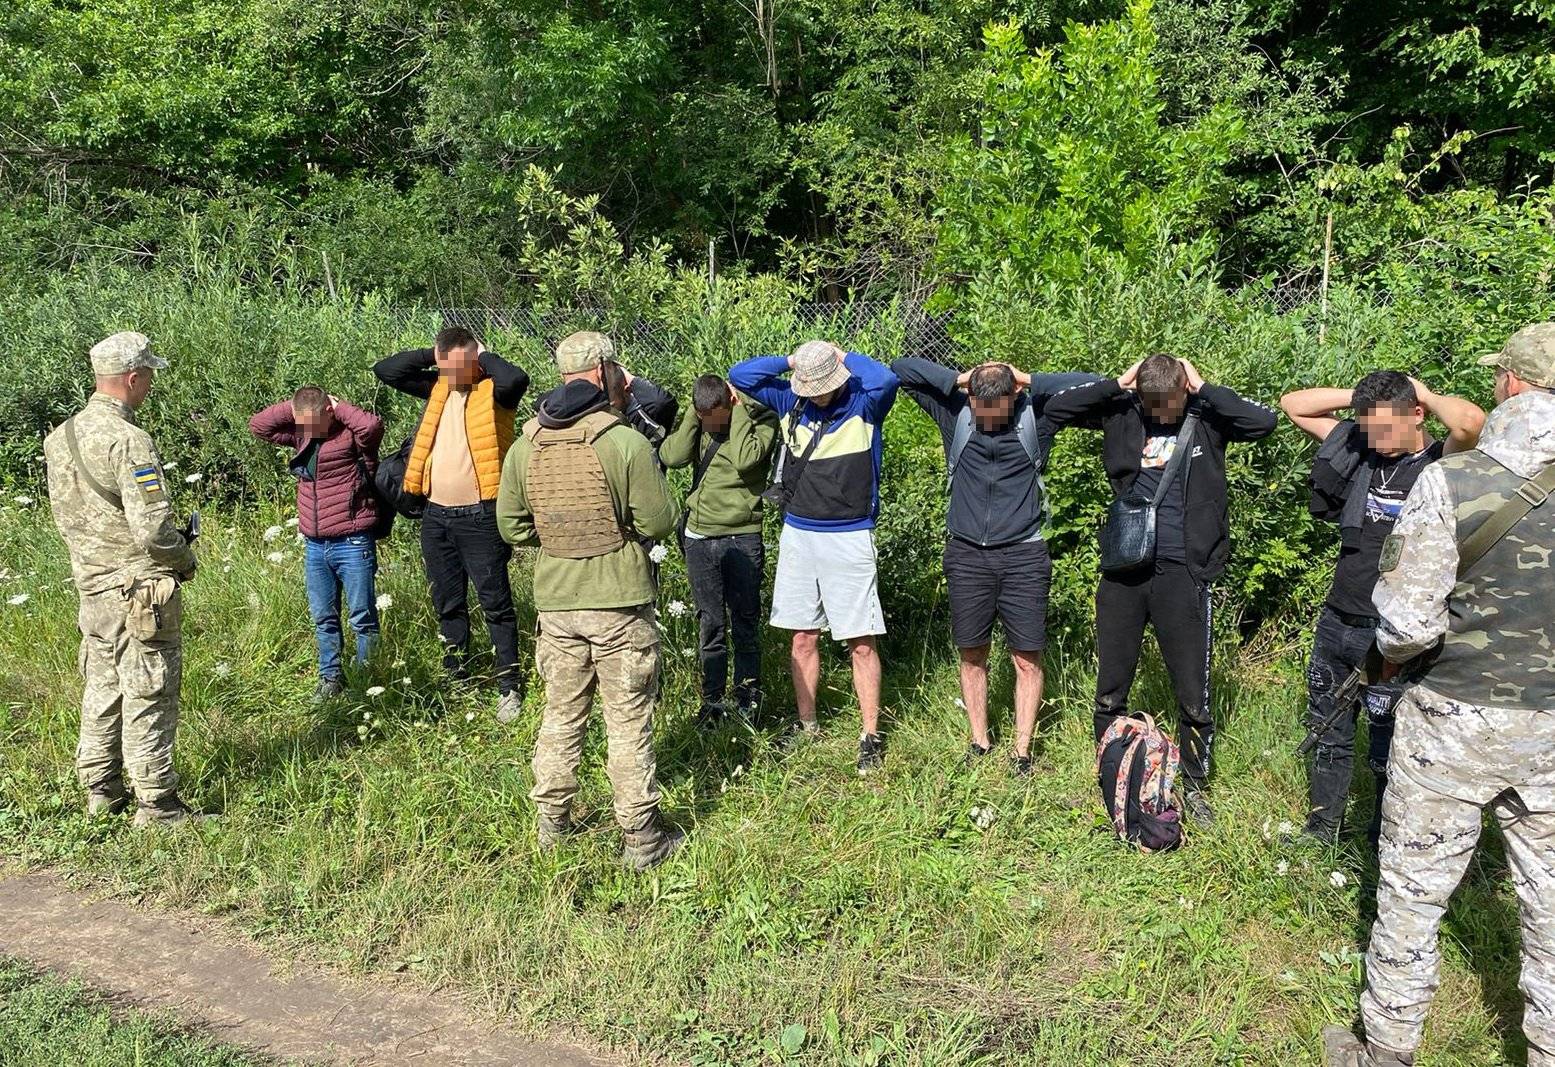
{"points": [[826, 581]]}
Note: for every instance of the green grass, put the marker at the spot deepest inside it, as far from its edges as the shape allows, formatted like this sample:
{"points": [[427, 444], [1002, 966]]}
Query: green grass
{"points": [[813, 918], [45, 1022]]}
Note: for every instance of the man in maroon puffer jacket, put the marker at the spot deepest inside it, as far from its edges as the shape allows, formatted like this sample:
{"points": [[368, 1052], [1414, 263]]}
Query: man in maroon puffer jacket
{"points": [[335, 452]]}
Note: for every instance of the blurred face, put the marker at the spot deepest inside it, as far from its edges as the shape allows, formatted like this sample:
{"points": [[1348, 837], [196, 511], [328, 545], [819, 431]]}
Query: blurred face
{"points": [[313, 423], [825, 399], [1165, 407], [716, 420], [1392, 430], [993, 412], [460, 366]]}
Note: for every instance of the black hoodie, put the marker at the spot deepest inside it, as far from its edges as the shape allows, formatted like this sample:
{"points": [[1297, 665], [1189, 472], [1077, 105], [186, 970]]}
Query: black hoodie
{"points": [[1223, 417], [569, 402]]}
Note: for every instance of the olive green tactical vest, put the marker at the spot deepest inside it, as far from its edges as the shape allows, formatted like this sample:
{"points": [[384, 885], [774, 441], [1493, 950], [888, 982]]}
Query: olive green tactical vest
{"points": [[575, 515], [1500, 645]]}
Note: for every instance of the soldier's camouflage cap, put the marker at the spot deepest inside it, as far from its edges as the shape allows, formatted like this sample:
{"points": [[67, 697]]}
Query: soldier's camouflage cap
{"points": [[583, 351], [1529, 353], [124, 352]]}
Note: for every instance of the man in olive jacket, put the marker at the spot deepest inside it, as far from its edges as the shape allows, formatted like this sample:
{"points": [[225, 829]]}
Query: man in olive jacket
{"points": [[727, 440], [586, 488]]}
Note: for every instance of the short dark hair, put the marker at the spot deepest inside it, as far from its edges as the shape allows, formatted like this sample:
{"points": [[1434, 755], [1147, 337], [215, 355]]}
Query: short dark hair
{"points": [[310, 398], [1161, 372], [991, 381], [453, 337], [709, 393], [1383, 387]]}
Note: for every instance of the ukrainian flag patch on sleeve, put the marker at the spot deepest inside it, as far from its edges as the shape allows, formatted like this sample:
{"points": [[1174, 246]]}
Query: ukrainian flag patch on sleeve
{"points": [[149, 478]]}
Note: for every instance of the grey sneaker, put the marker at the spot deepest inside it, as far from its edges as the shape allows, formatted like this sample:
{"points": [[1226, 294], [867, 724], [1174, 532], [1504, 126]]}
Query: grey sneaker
{"points": [[510, 707], [798, 735], [1196, 803], [328, 689], [109, 799], [647, 848], [168, 811]]}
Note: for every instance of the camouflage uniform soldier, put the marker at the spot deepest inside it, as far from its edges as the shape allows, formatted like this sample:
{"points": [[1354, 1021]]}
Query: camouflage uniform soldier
{"points": [[587, 488], [109, 499], [1477, 728]]}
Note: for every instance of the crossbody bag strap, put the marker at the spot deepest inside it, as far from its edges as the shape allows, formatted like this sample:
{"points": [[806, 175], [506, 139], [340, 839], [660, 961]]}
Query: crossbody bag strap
{"points": [[706, 461], [1179, 457], [108, 496], [1531, 494]]}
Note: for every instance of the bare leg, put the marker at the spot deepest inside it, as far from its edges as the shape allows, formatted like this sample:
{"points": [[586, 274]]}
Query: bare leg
{"points": [[866, 681], [974, 692], [1028, 697], [804, 664]]}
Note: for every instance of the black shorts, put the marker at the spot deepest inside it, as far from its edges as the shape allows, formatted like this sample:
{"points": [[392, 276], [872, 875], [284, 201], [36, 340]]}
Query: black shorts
{"points": [[1009, 583]]}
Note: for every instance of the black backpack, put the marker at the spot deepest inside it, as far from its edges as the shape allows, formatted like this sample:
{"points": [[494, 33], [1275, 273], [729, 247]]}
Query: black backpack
{"points": [[388, 484]]}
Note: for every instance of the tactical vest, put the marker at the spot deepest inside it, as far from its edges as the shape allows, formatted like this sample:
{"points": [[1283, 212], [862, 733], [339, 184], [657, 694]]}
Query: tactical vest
{"points": [[1500, 645], [575, 515]]}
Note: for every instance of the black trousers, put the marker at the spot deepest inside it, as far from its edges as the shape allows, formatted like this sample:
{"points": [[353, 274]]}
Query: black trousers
{"points": [[461, 547], [726, 577], [1178, 606], [1339, 646]]}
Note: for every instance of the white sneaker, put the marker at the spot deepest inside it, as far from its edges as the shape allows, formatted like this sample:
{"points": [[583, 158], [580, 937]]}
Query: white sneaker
{"points": [[510, 707]]}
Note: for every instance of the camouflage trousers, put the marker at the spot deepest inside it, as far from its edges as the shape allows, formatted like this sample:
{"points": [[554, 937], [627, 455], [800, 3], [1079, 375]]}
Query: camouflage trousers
{"points": [[132, 669], [1450, 762], [616, 652]]}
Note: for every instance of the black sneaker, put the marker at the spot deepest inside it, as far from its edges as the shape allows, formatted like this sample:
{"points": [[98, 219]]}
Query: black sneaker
{"points": [[871, 753], [1196, 804], [711, 715], [975, 754], [328, 689], [1020, 766]]}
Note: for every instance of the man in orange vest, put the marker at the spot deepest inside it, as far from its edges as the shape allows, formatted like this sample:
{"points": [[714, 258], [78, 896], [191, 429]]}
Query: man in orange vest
{"points": [[455, 463]]}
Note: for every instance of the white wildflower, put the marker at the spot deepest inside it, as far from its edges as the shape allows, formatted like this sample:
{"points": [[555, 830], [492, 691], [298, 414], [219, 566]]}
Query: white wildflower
{"points": [[1285, 829], [23, 499], [469, 716], [657, 553], [385, 601], [1337, 879], [298, 538], [375, 691], [276, 557], [292, 522], [1282, 868], [226, 568], [195, 477], [19, 599], [222, 669], [1185, 904], [361, 731], [171, 466], [398, 662], [677, 608], [272, 532], [405, 680], [1266, 829]]}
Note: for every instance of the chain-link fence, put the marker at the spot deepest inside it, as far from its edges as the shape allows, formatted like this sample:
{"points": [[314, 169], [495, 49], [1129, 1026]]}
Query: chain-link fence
{"points": [[922, 333]]}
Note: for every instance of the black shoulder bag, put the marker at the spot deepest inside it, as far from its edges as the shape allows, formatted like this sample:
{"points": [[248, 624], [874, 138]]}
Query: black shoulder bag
{"points": [[1128, 535], [696, 480], [781, 491]]}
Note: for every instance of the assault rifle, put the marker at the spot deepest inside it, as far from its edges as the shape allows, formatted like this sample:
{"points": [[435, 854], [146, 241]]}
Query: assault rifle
{"points": [[1370, 672]]}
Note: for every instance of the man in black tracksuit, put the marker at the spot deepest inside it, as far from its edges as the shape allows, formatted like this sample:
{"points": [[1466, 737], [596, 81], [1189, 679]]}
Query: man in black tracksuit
{"points": [[1140, 415], [997, 566]]}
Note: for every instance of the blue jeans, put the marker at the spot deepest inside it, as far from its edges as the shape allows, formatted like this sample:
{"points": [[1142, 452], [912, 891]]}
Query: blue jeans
{"points": [[332, 564]]}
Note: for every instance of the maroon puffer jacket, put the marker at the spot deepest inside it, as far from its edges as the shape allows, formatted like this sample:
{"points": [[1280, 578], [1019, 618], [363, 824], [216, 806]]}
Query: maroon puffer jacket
{"points": [[336, 501]]}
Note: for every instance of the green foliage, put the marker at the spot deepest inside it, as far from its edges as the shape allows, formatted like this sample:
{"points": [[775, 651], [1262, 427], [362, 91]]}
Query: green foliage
{"points": [[1073, 170]]}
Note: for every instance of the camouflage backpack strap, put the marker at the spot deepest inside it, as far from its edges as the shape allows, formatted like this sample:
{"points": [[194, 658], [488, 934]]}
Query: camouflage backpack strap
{"points": [[109, 497], [1531, 494], [569, 495]]}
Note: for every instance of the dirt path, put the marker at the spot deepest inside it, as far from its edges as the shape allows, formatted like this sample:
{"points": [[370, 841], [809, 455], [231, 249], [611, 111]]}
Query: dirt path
{"points": [[206, 975]]}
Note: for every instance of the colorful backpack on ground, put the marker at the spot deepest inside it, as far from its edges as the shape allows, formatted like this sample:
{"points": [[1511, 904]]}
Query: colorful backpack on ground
{"points": [[1136, 766]]}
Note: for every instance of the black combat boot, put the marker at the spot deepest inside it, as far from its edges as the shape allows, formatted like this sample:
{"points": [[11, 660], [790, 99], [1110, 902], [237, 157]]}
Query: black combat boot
{"points": [[650, 846]]}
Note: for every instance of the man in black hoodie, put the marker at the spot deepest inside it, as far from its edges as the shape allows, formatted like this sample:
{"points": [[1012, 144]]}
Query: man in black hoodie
{"points": [[996, 437], [1141, 415]]}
